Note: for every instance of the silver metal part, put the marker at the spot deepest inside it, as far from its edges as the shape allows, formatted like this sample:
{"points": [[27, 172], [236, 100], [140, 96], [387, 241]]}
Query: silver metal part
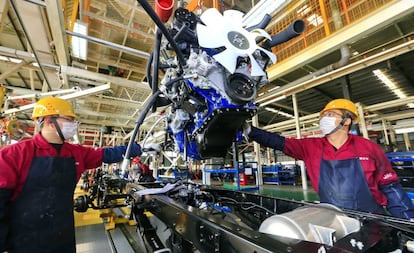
{"points": [[325, 224]]}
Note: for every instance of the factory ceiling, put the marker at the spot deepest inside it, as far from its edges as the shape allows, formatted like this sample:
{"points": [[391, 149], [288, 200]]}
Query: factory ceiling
{"points": [[109, 86]]}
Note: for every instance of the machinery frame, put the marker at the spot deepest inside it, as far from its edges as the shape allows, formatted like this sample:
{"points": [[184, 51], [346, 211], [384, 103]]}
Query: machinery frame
{"points": [[194, 228]]}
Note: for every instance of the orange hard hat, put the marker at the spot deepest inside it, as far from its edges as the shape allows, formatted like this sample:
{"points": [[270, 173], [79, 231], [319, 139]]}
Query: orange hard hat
{"points": [[342, 104], [52, 106]]}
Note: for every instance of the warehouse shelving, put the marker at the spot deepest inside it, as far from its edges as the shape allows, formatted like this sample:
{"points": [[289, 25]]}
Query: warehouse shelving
{"points": [[279, 174], [403, 164]]}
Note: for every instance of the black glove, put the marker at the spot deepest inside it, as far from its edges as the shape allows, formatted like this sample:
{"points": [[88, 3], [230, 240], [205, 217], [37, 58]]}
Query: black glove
{"points": [[266, 138], [247, 129]]}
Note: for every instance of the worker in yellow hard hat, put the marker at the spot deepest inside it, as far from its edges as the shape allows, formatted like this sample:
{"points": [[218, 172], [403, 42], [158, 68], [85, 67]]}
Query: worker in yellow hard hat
{"points": [[346, 170], [38, 178]]}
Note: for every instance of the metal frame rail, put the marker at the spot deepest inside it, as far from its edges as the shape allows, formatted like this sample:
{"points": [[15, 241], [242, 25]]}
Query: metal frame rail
{"points": [[194, 228]]}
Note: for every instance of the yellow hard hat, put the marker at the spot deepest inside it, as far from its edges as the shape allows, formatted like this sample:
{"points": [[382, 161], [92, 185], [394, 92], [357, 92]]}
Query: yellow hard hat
{"points": [[52, 106], [342, 104]]}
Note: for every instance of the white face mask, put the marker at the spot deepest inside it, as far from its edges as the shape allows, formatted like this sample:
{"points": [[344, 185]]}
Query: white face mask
{"points": [[69, 129], [327, 124]]}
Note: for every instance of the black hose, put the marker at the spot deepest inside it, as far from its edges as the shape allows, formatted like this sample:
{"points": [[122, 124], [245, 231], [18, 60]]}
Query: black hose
{"points": [[148, 70], [293, 30], [147, 106], [155, 66], [141, 117], [262, 24]]}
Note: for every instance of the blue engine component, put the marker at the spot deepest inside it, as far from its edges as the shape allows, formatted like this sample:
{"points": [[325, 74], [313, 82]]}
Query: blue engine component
{"points": [[211, 129], [209, 84], [210, 104]]}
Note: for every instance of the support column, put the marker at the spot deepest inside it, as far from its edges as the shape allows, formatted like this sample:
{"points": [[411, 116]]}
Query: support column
{"points": [[299, 135], [362, 124], [407, 142], [256, 148]]}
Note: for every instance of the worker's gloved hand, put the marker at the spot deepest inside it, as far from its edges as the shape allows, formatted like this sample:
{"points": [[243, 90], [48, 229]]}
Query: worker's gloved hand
{"points": [[151, 147], [116, 154], [135, 150], [399, 204], [247, 128]]}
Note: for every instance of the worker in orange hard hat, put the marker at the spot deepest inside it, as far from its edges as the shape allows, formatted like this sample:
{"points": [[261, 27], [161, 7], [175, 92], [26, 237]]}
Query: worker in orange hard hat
{"points": [[346, 170], [37, 186]]}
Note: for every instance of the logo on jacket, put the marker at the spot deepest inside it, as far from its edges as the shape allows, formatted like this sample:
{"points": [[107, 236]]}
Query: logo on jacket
{"points": [[387, 175], [363, 158]]}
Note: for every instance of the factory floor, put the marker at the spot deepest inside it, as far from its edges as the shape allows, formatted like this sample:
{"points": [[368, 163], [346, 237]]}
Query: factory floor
{"points": [[94, 234]]}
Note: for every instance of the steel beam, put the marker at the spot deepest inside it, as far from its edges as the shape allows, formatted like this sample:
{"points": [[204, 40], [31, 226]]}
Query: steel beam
{"points": [[66, 97], [381, 18]]}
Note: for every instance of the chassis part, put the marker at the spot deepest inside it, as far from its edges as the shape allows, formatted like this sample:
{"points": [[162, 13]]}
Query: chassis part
{"points": [[211, 230]]}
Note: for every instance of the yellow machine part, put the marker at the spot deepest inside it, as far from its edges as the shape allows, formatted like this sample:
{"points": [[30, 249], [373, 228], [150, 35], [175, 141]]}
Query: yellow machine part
{"points": [[2, 96], [110, 218], [12, 126]]}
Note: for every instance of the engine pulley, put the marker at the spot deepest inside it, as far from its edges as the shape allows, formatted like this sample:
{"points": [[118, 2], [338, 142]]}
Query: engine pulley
{"points": [[240, 88]]}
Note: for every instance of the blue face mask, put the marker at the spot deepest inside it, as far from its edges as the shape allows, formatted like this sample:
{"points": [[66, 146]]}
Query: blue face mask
{"points": [[327, 124]]}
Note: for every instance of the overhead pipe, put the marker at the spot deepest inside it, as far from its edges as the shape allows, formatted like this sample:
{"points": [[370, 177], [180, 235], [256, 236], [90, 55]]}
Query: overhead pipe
{"points": [[262, 24], [297, 84], [164, 9], [13, 4], [125, 49], [71, 71], [345, 56], [73, 95], [36, 94], [348, 69], [38, 2], [294, 29], [385, 105], [10, 52], [104, 78]]}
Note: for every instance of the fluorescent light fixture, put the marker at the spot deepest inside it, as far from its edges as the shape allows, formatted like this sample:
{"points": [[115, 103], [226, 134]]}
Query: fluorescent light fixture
{"points": [[287, 115], [274, 88], [10, 59], [14, 60], [391, 85], [268, 91], [404, 130], [273, 100], [79, 45], [271, 109]]}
